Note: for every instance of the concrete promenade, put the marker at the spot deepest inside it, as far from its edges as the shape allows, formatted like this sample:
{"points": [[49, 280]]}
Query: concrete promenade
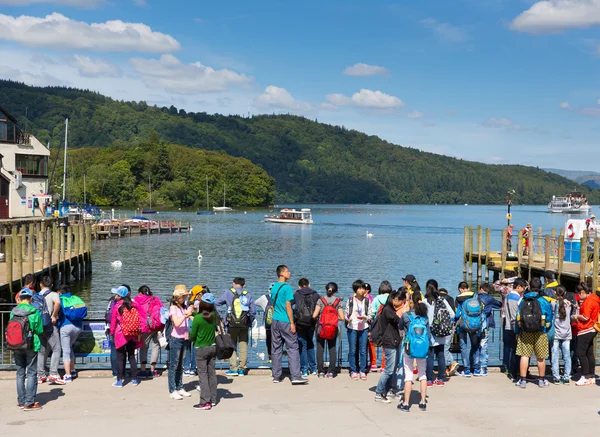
{"points": [[254, 406]]}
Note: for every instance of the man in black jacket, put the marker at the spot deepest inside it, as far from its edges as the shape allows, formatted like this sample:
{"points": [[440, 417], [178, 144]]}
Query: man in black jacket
{"points": [[306, 299]]}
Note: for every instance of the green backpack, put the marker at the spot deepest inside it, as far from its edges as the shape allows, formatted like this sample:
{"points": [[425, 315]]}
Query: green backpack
{"points": [[73, 308]]}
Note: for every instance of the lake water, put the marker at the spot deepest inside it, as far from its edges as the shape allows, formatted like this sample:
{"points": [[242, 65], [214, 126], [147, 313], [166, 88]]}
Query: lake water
{"points": [[426, 241]]}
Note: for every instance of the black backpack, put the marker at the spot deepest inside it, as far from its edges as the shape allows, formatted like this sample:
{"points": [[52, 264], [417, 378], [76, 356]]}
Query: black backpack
{"points": [[304, 311], [530, 317], [378, 327], [442, 325]]}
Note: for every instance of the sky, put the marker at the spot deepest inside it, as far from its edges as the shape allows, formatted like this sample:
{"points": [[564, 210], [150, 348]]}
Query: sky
{"points": [[496, 81]]}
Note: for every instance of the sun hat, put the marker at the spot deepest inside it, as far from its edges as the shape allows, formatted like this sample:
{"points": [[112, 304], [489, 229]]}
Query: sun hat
{"points": [[196, 292], [26, 292], [121, 291], [208, 298], [180, 290]]}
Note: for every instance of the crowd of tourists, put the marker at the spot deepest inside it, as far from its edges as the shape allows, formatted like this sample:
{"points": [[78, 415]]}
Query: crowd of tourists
{"points": [[415, 328]]}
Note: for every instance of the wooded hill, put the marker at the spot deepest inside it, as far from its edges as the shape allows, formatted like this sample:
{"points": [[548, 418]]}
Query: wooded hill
{"points": [[310, 161]]}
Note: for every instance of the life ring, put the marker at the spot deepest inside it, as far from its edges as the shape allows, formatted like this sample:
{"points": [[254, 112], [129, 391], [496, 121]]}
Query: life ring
{"points": [[570, 231]]}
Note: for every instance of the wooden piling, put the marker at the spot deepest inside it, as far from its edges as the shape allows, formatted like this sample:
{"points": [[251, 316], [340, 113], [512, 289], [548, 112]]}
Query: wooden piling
{"points": [[540, 237], [82, 250], [520, 254], [465, 245], [61, 255], [49, 240], [488, 253], [19, 256], [561, 254], [547, 253], [479, 249], [583, 257], [471, 242], [553, 242], [595, 265], [503, 255], [530, 251], [30, 254], [69, 252]]}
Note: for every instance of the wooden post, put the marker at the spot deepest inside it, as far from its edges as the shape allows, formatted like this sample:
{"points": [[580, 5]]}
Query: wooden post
{"points": [[595, 266], [40, 243], [520, 254], [49, 240], [530, 254], [553, 244], [488, 253], [547, 253], [9, 242], [503, 254], [77, 252], [61, 255], [561, 254], [69, 251], [583, 255], [479, 249], [20, 259], [465, 245], [82, 249], [471, 242], [89, 249], [539, 240], [30, 255]]}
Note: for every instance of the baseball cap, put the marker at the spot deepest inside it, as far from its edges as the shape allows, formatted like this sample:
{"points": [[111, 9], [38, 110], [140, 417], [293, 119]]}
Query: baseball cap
{"points": [[409, 278], [26, 292], [180, 290], [208, 298], [120, 291]]}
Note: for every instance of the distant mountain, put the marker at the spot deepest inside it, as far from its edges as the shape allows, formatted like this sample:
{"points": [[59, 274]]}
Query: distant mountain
{"points": [[581, 177], [310, 161], [594, 185]]}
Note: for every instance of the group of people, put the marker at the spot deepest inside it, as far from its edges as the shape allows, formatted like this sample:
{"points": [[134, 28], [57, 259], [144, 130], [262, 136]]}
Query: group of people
{"points": [[414, 327]]}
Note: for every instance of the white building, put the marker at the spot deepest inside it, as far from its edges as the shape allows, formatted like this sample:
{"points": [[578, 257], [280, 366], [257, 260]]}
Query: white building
{"points": [[23, 171]]}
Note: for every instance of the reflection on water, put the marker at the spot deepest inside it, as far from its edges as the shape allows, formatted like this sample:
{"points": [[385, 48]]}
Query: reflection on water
{"points": [[406, 239]]}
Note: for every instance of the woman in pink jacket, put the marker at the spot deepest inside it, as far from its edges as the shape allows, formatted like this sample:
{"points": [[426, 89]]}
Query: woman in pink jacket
{"points": [[145, 302], [125, 345]]}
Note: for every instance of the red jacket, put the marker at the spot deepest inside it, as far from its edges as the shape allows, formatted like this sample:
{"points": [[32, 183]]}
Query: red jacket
{"points": [[589, 309]]}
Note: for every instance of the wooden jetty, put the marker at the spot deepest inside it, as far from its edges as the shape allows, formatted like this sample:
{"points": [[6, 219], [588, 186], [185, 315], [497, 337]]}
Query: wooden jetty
{"points": [[532, 258], [43, 247], [108, 228]]}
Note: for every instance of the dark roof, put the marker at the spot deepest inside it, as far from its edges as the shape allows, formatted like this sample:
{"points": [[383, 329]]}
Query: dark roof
{"points": [[8, 115]]}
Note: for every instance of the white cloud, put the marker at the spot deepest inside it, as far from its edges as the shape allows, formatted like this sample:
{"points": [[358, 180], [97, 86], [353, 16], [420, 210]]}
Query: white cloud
{"points": [[31, 78], [88, 67], [57, 31], [366, 99], [565, 105], [275, 97], [416, 115], [556, 15], [75, 3], [170, 73], [583, 110], [446, 32], [366, 70], [495, 122]]}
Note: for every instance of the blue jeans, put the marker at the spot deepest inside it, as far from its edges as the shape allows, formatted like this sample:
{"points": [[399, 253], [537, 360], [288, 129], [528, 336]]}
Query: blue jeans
{"points": [[26, 362], [177, 347], [565, 345], [306, 346], [470, 356], [360, 338], [189, 360], [436, 352], [400, 370], [447, 354], [484, 356], [113, 356], [387, 379]]}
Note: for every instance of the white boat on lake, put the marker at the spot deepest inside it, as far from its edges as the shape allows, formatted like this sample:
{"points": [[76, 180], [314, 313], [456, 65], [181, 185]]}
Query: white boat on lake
{"points": [[572, 203], [292, 216]]}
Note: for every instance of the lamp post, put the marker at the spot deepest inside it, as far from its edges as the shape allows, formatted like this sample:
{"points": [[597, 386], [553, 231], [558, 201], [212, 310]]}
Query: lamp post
{"points": [[509, 204]]}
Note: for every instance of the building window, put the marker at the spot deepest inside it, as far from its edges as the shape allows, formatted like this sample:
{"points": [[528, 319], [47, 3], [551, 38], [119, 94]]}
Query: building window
{"points": [[3, 130], [32, 165]]}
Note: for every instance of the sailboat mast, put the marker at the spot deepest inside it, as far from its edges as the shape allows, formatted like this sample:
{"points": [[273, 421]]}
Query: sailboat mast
{"points": [[65, 163], [84, 198], [207, 205], [224, 191], [150, 188]]}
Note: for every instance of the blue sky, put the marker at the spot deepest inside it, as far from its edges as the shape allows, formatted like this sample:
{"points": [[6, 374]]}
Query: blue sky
{"points": [[497, 81]]}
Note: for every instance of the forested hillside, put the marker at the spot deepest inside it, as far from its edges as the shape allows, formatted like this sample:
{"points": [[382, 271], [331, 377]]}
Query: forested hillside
{"points": [[310, 161]]}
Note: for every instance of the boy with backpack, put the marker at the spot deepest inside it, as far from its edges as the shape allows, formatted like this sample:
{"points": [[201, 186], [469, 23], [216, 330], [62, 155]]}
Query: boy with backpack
{"points": [[357, 323], [416, 347], [23, 338], [328, 312], [489, 304], [534, 320], [469, 318], [240, 315], [73, 311], [47, 302], [306, 299], [266, 304]]}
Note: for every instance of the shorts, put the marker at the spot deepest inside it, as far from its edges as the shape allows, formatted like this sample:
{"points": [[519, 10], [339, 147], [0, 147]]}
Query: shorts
{"points": [[409, 367], [532, 343]]}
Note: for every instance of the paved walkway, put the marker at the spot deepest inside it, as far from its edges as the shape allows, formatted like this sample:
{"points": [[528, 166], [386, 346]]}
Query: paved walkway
{"points": [[253, 406]]}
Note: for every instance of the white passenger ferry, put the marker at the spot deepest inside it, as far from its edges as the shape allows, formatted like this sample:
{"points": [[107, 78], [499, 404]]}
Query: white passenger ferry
{"points": [[292, 216], [572, 203]]}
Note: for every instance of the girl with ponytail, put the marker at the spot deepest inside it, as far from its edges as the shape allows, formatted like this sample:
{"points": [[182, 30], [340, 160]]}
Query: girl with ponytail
{"points": [[562, 336]]}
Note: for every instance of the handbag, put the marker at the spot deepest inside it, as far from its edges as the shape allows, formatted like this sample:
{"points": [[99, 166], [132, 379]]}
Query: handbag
{"points": [[223, 342]]}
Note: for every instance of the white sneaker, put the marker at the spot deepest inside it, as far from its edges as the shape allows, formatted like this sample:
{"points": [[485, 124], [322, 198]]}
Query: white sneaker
{"points": [[184, 393], [198, 387], [175, 395]]}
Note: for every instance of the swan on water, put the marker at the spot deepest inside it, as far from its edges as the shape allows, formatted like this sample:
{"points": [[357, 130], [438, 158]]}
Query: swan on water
{"points": [[199, 255], [116, 263], [369, 235]]}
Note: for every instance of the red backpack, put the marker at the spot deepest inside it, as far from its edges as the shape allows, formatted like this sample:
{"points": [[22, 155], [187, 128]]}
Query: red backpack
{"points": [[18, 333], [153, 315], [328, 321], [130, 322]]}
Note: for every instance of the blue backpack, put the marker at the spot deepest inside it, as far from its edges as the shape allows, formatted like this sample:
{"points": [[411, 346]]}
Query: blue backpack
{"points": [[472, 316], [417, 338]]}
